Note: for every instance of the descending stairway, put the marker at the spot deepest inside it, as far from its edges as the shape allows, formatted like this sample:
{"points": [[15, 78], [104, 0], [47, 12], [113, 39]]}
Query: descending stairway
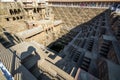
{"points": [[105, 48], [90, 44], [77, 56], [85, 64]]}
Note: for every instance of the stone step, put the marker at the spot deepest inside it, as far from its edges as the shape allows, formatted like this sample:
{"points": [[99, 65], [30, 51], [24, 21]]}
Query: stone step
{"points": [[90, 45], [84, 67], [85, 63], [103, 54], [106, 44], [76, 57], [86, 59], [106, 47], [104, 50]]}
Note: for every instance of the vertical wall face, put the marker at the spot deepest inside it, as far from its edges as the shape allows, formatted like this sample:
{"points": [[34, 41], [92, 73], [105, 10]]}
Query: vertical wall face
{"points": [[47, 36], [11, 11], [11, 17], [15, 18], [73, 17]]}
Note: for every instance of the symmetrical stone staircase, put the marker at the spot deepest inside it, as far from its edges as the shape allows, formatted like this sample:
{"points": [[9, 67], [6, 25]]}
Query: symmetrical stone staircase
{"points": [[85, 63], [75, 16], [105, 47], [90, 44]]}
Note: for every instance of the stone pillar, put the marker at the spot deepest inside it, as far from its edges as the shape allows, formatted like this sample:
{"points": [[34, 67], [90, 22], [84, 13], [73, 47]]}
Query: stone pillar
{"points": [[43, 13]]}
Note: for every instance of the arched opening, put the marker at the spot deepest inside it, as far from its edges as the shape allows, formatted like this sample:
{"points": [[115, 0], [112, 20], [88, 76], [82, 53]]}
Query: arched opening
{"points": [[15, 11], [11, 11], [7, 19], [33, 18], [14, 18], [35, 11], [21, 17], [17, 18], [46, 31], [33, 24], [38, 10], [19, 11], [49, 29]]}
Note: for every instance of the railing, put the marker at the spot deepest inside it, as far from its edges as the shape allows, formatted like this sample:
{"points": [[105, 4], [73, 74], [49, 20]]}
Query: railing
{"points": [[6, 72], [82, 4]]}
